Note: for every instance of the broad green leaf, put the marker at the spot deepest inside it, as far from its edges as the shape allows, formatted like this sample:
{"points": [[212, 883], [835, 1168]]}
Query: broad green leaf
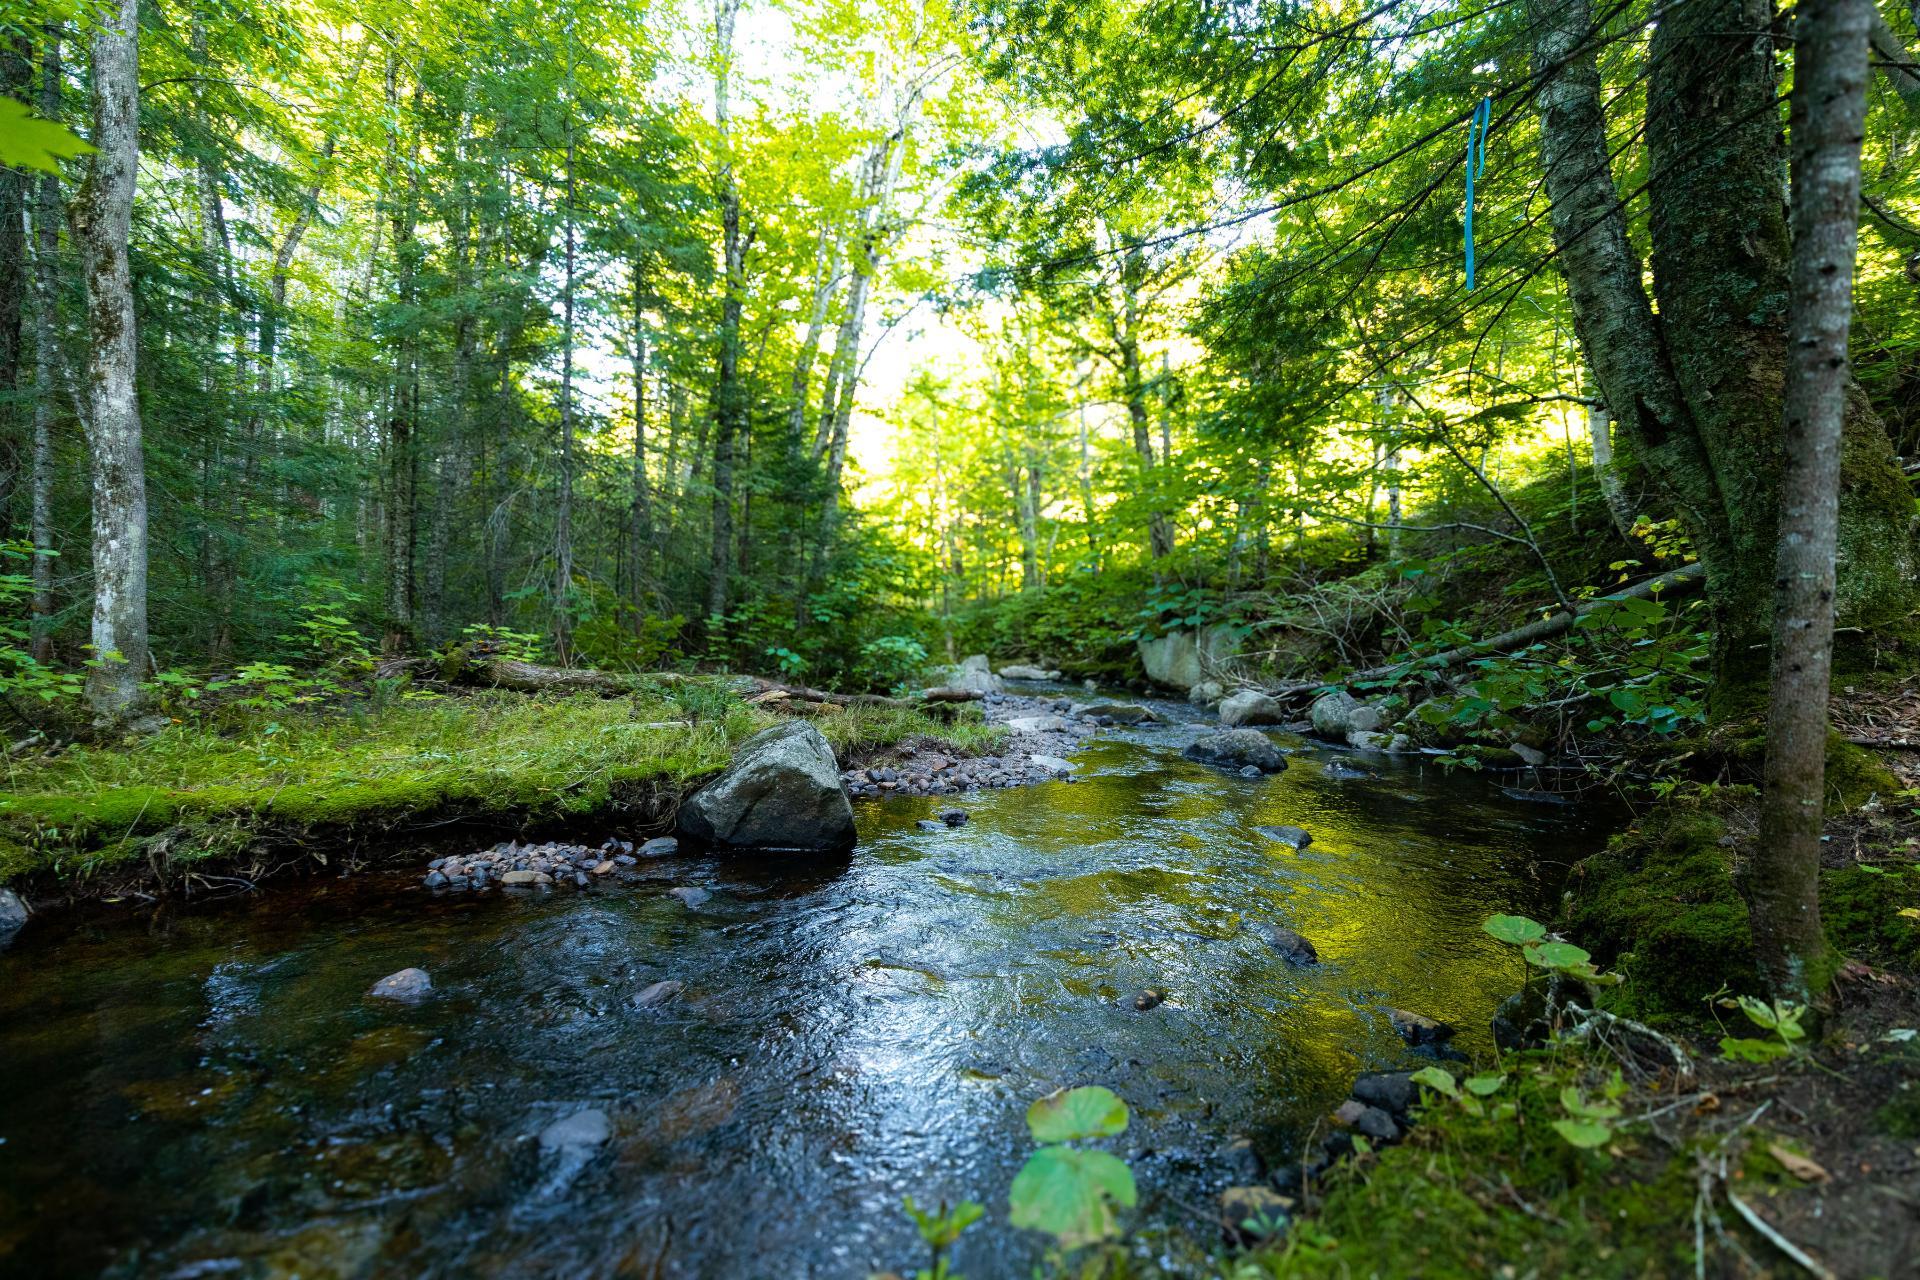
{"points": [[1484, 1085], [1557, 955], [1070, 1194], [1738, 1049], [28, 142], [1584, 1134], [1439, 1079], [1516, 930], [1068, 1114], [1571, 1099]]}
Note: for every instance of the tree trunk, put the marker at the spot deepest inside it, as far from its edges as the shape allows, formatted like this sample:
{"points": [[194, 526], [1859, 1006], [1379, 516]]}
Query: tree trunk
{"points": [[563, 516], [1696, 389], [641, 514], [102, 224], [729, 402], [1781, 873], [46, 252], [16, 78], [402, 447]]}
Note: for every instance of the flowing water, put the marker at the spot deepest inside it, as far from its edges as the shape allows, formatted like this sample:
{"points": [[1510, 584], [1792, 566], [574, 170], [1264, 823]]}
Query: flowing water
{"points": [[206, 1091]]}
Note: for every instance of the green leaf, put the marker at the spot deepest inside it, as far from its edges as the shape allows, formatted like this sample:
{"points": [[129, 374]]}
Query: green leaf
{"points": [[1067, 1114], [1744, 1050], [1439, 1079], [28, 142], [1070, 1194], [1584, 1134], [1484, 1085], [1571, 1099], [1557, 955], [1515, 930]]}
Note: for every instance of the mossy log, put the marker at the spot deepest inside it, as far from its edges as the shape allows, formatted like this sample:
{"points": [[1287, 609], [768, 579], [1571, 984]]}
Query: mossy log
{"points": [[1674, 581], [494, 671]]}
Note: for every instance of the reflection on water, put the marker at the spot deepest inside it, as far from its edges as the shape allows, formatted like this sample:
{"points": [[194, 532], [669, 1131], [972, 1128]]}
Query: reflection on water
{"points": [[212, 1096]]}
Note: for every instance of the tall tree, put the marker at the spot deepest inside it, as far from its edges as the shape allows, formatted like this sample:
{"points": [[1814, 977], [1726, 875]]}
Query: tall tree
{"points": [[730, 408], [102, 217], [1781, 871]]}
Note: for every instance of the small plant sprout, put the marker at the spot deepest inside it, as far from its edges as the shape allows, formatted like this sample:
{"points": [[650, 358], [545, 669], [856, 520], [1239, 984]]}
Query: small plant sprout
{"points": [[1782, 1018], [1555, 957], [940, 1230], [1071, 1192], [1585, 1125]]}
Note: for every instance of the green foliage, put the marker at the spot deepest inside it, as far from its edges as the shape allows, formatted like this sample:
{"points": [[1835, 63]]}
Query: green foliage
{"points": [[1072, 1193], [1781, 1018], [20, 673], [31, 143], [1554, 957], [940, 1230]]}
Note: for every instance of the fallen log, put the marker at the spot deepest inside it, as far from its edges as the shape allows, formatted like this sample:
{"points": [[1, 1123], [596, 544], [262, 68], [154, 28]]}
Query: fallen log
{"points": [[1675, 581], [532, 677]]}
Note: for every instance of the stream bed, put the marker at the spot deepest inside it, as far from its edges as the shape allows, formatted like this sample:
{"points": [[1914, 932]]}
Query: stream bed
{"points": [[206, 1090]]}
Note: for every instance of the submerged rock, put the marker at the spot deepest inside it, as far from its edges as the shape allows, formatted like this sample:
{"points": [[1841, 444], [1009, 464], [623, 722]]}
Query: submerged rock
{"points": [[1292, 837], [1151, 998], [1250, 706], [1236, 749], [955, 817], [1121, 713], [691, 896], [930, 824], [407, 985], [1344, 771], [588, 1128], [1418, 1029], [659, 847], [782, 792], [658, 993], [1293, 948]]}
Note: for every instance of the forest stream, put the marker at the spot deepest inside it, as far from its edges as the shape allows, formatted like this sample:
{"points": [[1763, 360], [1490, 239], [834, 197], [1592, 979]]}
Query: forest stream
{"points": [[208, 1091]]}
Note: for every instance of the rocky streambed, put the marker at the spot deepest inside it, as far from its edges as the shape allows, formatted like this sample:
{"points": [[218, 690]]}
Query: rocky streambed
{"points": [[740, 1065]]}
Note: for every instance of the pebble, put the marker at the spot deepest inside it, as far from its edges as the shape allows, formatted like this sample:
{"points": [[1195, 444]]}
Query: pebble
{"points": [[1151, 998], [1418, 1029], [692, 897], [519, 865], [527, 879]]}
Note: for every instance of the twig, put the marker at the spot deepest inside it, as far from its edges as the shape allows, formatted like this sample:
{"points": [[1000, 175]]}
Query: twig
{"points": [[1778, 1241]]}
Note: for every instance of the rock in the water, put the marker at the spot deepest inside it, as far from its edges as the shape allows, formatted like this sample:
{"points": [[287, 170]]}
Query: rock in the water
{"points": [[1254, 1211], [525, 879], [1293, 948], [975, 675], [1122, 712], [1337, 714], [659, 847], [1250, 706], [1206, 693], [659, 993], [1391, 1091], [1037, 724], [1151, 998], [1252, 771], [1529, 755], [13, 912], [929, 824], [1418, 1029], [1343, 771], [782, 792], [691, 896], [1236, 749], [955, 817], [582, 1129], [408, 985], [1293, 837], [1018, 672], [1052, 764]]}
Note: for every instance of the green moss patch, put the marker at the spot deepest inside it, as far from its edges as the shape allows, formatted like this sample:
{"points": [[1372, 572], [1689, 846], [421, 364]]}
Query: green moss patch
{"points": [[208, 790]]}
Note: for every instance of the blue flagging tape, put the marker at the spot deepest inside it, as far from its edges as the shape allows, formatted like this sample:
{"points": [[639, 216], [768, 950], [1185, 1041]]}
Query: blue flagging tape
{"points": [[1476, 164]]}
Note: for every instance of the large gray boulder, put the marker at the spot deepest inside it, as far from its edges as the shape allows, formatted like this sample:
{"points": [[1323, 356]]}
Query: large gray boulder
{"points": [[975, 675], [1250, 706], [1237, 749], [782, 792], [1337, 714], [1182, 659]]}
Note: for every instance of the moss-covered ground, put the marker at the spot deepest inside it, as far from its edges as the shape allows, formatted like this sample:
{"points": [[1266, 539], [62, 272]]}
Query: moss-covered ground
{"points": [[320, 781]]}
